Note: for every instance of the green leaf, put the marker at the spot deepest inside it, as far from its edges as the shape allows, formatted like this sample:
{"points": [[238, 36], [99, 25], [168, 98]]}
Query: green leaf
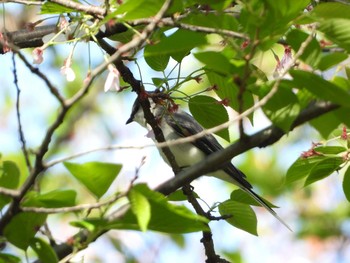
{"points": [[283, 108], [301, 168], [209, 113], [23, 227], [165, 217], [312, 53], [132, 9], [44, 251], [49, 8], [215, 61], [219, 21], [179, 195], [158, 81], [127, 35], [140, 207], [157, 63], [326, 123], [8, 258], [346, 184], [330, 60], [9, 178], [218, 5], [323, 169], [330, 149], [177, 45], [243, 197], [286, 8], [338, 31], [331, 10], [347, 71], [243, 216], [277, 18], [53, 199], [227, 90], [91, 224], [320, 87], [95, 176]]}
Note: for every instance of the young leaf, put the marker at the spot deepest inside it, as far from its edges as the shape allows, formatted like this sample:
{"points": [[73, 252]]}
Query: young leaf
{"points": [[157, 63], [56, 198], [331, 10], [312, 53], [140, 207], [139, 9], [179, 195], [44, 251], [282, 108], [346, 184], [320, 87], [209, 113], [213, 20], [8, 258], [323, 169], [165, 217], [243, 216], [49, 8], [95, 176], [91, 224], [301, 168], [330, 149], [22, 228], [338, 31], [330, 60], [177, 45], [9, 178], [326, 123], [215, 61]]}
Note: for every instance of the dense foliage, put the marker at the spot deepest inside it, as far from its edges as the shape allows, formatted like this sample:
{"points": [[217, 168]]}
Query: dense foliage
{"points": [[285, 59]]}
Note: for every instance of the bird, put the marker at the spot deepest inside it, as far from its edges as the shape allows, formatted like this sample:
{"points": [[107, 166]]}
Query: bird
{"points": [[176, 123]]}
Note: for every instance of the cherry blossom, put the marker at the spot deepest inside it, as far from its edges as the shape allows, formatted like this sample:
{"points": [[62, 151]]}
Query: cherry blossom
{"points": [[112, 81], [38, 55], [66, 69]]}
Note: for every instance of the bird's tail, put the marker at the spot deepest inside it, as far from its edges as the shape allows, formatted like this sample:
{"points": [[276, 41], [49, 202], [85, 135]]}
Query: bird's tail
{"points": [[257, 198]]}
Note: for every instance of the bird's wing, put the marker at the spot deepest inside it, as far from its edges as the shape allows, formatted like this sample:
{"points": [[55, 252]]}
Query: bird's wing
{"points": [[186, 126]]}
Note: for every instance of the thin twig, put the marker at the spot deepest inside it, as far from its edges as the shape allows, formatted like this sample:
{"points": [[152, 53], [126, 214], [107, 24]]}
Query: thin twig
{"points": [[101, 149], [54, 91], [18, 114], [9, 192], [24, 2], [89, 9], [72, 208]]}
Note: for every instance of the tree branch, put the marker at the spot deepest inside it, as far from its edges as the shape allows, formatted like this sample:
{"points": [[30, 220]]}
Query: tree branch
{"points": [[18, 113], [95, 11]]}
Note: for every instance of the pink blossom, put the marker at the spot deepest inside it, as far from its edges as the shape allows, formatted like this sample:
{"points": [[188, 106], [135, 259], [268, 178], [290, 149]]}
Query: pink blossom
{"points": [[112, 81], [66, 69], [38, 55], [63, 23], [284, 63]]}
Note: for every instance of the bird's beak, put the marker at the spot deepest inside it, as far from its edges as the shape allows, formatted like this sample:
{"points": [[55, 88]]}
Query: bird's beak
{"points": [[131, 119]]}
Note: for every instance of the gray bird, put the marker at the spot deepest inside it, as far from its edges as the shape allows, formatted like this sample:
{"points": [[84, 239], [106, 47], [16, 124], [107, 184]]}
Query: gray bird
{"points": [[177, 124]]}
